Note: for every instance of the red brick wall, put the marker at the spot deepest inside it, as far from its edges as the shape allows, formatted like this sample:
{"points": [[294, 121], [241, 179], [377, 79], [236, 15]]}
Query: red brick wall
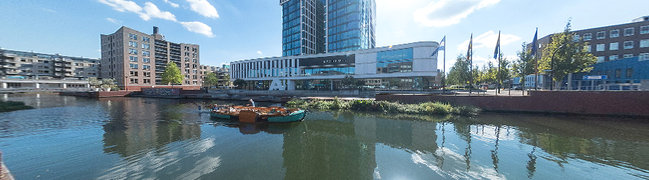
{"points": [[631, 103]]}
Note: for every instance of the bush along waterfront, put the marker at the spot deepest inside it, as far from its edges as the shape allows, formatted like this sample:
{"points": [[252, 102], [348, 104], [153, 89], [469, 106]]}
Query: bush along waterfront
{"points": [[13, 106], [429, 108]]}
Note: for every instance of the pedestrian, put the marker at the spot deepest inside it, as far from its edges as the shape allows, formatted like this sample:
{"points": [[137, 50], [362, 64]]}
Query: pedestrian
{"points": [[252, 103]]}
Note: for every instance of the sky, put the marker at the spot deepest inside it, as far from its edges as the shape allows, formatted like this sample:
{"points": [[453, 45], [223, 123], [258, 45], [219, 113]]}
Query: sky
{"points": [[230, 30]]}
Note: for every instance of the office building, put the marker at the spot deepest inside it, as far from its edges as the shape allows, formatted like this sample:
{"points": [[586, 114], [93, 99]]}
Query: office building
{"points": [[31, 65], [321, 26], [610, 43], [406, 66], [136, 60], [624, 74]]}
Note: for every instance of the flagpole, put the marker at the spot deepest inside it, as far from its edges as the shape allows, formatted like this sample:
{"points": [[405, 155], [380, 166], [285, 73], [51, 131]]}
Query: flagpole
{"points": [[536, 61], [470, 58], [444, 75]]}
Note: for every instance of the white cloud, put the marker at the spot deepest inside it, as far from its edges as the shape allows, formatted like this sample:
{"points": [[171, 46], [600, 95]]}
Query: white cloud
{"points": [[488, 40], [441, 13], [48, 10], [260, 53], [198, 27], [172, 4], [123, 5], [114, 21], [203, 8], [151, 10]]}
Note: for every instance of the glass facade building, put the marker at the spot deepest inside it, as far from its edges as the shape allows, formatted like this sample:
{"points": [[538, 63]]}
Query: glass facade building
{"points": [[321, 26], [350, 25]]}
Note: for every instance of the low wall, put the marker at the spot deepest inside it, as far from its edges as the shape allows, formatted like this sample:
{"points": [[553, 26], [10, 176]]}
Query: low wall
{"points": [[626, 103], [161, 91], [139, 88], [298, 93], [100, 94]]}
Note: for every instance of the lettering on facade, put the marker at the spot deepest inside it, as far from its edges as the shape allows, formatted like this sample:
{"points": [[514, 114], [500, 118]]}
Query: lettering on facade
{"points": [[328, 60]]}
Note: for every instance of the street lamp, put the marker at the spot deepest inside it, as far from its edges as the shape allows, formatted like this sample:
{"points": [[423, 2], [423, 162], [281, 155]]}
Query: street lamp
{"points": [[552, 67]]}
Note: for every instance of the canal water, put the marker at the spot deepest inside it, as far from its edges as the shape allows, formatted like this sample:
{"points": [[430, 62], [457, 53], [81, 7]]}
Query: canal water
{"points": [[137, 138]]}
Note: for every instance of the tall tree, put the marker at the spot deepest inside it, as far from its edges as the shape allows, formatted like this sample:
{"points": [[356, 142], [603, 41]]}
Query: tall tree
{"points": [[565, 55], [210, 80], [172, 75], [524, 65], [459, 74]]}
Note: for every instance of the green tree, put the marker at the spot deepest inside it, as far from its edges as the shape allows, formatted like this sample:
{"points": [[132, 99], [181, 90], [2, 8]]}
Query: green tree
{"points": [[459, 74], [524, 65], [172, 75], [226, 80], [210, 80], [503, 72], [239, 83], [563, 55]]}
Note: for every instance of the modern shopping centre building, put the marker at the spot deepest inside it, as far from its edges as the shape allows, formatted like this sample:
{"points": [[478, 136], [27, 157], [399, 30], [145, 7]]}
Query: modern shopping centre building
{"points": [[411, 66]]}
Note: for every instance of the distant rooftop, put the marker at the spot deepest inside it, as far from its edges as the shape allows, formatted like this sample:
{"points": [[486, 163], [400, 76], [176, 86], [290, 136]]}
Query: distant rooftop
{"points": [[640, 19]]}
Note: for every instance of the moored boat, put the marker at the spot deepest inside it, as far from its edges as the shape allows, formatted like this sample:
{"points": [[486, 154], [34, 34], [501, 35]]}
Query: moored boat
{"points": [[250, 114]]}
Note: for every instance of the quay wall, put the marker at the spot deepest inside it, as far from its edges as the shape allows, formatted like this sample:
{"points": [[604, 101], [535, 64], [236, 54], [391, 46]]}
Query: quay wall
{"points": [[610, 103]]}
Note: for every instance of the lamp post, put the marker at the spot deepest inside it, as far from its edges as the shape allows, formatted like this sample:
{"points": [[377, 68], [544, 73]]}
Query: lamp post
{"points": [[552, 67]]}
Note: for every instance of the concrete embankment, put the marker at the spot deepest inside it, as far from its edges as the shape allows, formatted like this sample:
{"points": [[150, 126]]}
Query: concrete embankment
{"points": [[607, 103], [4, 171]]}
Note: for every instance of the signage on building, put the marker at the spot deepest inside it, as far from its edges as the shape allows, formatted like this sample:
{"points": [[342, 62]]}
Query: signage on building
{"points": [[597, 77], [328, 60]]}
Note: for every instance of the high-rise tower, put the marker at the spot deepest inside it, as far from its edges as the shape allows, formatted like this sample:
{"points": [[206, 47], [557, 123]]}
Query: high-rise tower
{"points": [[319, 26]]}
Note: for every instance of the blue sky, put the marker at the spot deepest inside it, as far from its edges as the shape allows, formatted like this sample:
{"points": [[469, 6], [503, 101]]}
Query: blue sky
{"points": [[229, 30]]}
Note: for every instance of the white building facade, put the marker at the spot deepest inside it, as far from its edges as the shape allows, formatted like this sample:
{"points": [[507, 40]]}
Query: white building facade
{"points": [[406, 66]]}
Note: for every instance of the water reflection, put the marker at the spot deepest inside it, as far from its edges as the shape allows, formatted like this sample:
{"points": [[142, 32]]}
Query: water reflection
{"points": [[134, 138], [140, 124]]}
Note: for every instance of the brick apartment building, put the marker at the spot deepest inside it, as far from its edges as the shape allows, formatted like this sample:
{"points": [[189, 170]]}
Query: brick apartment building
{"points": [[137, 60]]}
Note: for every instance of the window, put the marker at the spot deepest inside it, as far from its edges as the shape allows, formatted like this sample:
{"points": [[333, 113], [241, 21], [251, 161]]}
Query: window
{"points": [[628, 55], [133, 66], [134, 73], [132, 44], [147, 74], [618, 73], [147, 81], [600, 47], [132, 36], [628, 32], [588, 48], [601, 35], [600, 59], [644, 56], [146, 67], [644, 43], [628, 44], [146, 53], [134, 81], [615, 33], [614, 46], [644, 30], [146, 60], [133, 58], [588, 36], [575, 38], [629, 72], [145, 39], [145, 46], [132, 51], [613, 57]]}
